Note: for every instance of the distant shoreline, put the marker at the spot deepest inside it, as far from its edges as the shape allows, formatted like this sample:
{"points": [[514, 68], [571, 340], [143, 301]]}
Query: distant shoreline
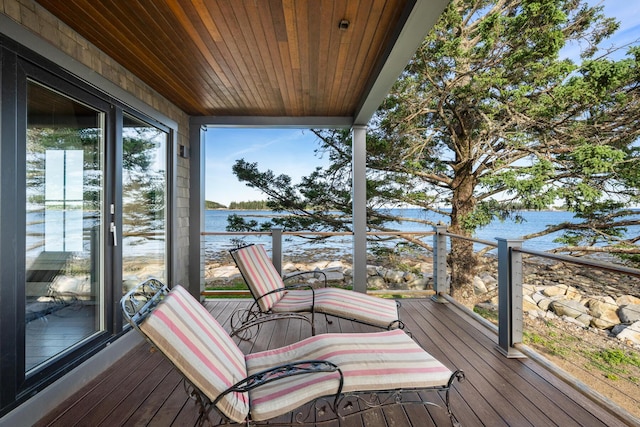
{"points": [[443, 208]]}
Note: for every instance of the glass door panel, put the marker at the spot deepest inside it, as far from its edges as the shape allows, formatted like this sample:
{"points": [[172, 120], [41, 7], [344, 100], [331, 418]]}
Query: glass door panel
{"points": [[64, 173], [144, 202]]}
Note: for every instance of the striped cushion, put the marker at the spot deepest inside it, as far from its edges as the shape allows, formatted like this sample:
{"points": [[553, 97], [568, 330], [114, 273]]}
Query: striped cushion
{"points": [[200, 348], [342, 303], [386, 360], [356, 305], [299, 300], [260, 274]]}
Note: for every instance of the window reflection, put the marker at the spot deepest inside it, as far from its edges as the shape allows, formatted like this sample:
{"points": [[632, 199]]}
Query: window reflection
{"points": [[63, 214], [143, 202]]}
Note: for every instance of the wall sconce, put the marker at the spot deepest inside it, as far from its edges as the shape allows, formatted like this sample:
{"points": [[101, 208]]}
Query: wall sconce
{"points": [[183, 151]]}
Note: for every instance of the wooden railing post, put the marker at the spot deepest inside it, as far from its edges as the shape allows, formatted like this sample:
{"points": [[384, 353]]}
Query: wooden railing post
{"points": [[509, 296], [440, 279], [276, 249]]}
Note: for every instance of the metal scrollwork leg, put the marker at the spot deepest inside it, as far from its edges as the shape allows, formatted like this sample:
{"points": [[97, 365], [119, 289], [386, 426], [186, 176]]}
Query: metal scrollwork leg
{"points": [[457, 375], [244, 326]]}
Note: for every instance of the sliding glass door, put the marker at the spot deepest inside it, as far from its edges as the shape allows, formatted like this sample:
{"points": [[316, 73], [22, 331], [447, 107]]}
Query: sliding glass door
{"points": [[144, 202], [84, 216], [64, 224]]}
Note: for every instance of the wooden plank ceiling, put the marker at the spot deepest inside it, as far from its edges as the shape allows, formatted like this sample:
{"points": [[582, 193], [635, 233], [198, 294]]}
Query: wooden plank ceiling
{"points": [[286, 58]]}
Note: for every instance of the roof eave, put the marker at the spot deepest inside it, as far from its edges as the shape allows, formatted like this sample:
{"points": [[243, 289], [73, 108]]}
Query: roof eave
{"points": [[420, 20]]}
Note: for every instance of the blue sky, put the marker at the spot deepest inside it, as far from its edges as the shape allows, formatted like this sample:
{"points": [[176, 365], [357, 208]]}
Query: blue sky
{"points": [[284, 151], [291, 151]]}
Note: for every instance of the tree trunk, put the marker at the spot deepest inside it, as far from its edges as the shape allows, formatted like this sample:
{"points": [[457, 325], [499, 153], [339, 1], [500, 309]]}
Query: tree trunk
{"points": [[462, 260]]}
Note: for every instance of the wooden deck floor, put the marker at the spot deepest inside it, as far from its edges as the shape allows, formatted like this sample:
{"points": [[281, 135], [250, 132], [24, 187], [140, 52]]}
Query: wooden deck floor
{"points": [[143, 388]]}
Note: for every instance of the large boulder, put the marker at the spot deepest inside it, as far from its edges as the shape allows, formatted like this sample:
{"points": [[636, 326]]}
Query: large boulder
{"points": [[569, 308], [604, 313], [627, 300]]}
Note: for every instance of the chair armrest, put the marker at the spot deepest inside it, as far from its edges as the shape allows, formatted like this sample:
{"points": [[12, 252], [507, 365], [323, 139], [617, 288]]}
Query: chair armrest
{"points": [[300, 273], [286, 288], [138, 303], [284, 371], [299, 285]]}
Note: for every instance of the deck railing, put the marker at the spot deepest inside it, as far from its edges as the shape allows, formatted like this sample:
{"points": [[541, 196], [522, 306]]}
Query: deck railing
{"points": [[510, 280], [517, 271], [278, 234], [510, 271]]}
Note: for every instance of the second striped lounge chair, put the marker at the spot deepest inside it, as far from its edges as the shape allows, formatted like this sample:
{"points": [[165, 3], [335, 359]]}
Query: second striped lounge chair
{"points": [[275, 300]]}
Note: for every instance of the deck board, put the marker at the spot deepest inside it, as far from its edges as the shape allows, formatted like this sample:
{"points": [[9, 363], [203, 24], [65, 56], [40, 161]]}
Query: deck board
{"points": [[497, 391]]}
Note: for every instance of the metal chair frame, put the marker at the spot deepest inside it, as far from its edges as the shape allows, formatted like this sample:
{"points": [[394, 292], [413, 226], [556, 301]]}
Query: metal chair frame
{"points": [[140, 302]]}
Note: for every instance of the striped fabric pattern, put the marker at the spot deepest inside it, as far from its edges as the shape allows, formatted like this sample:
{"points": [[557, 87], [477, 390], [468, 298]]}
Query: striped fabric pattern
{"points": [[200, 348], [386, 360], [342, 303], [356, 305], [260, 274]]}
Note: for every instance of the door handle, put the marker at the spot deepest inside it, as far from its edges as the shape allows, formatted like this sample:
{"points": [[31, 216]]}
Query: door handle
{"points": [[114, 233]]}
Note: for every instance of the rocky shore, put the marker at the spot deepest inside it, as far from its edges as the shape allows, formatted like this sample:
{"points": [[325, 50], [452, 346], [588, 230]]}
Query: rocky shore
{"points": [[585, 297]]}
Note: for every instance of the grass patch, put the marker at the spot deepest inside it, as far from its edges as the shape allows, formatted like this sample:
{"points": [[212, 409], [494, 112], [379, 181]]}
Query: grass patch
{"points": [[235, 286], [490, 315], [554, 347], [614, 363]]}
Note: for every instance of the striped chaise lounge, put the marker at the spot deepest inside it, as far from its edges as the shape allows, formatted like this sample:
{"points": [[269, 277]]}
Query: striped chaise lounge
{"points": [[275, 300], [330, 370]]}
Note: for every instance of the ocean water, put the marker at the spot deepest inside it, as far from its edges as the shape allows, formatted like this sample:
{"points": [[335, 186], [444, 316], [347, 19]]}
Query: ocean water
{"points": [[216, 220]]}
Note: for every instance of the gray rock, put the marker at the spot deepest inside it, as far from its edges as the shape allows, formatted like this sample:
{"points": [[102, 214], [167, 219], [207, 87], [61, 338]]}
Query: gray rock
{"points": [[409, 277], [605, 312], [629, 313], [553, 291], [584, 319], [394, 276], [538, 296], [528, 304], [569, 308], [479, 287], [334, 275], [376, 282], [545, 303], [627, 300], [488, 280], [372, 270], [617, 329], [526, 289], [630, 334], [419, 283]]}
